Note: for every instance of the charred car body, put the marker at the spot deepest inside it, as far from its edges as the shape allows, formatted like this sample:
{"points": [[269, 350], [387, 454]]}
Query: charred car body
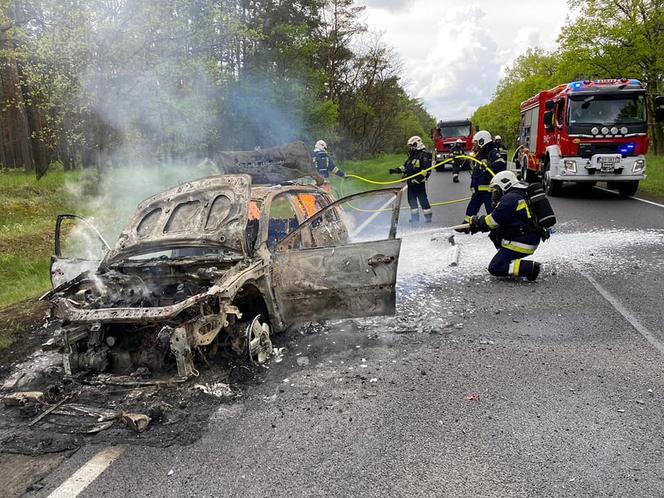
{"points": [[218, 264]]}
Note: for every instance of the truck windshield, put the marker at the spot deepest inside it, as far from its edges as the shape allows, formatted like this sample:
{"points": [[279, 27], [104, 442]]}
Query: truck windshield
{"points": [[601, 109], [454, 131]]}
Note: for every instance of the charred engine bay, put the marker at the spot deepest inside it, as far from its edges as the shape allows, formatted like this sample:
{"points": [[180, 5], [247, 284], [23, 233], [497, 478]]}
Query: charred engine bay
{"points": [[136, 288]]}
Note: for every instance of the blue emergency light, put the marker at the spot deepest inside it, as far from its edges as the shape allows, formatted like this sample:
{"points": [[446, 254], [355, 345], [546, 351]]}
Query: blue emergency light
{"points": [[626, 149]]}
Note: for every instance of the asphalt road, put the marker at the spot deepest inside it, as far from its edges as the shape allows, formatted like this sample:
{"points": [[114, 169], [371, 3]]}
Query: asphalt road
{"points": [[478, 387]]}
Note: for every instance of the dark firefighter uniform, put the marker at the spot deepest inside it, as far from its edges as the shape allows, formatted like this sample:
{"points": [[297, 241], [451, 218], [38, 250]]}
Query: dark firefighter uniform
{"points": [[324, 164], [418, 161], [456, 151], [514, 233], [481, 177]]}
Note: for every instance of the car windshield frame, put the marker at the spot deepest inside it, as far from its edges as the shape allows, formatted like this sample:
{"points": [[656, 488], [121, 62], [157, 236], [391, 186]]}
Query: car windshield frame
{"points": [[578, 102]]}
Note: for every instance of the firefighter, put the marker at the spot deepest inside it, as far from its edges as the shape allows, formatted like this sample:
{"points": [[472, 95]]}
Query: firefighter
{"points": [[457, 150], [498, 140], [324, 164], [485, 150], [512, 228], [419, 159]]}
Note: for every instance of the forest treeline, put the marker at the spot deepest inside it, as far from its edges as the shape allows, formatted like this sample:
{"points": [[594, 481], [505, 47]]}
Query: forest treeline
{"points": [[602, 39], [118, 82]]}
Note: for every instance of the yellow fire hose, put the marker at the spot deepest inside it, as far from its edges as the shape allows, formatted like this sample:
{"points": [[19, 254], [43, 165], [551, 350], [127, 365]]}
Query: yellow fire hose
{"points": [[401, 180]]}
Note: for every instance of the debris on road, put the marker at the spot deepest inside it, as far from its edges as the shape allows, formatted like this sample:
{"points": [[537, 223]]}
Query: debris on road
{"points": [[49, 410], [473, 397], [219, 389], [138, 422], [22, 398]]}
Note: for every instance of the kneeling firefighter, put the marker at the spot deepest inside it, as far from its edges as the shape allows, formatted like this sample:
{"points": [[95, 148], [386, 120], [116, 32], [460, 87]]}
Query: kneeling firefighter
{"points": [[521, 218], [486, 151], [419, 160]]}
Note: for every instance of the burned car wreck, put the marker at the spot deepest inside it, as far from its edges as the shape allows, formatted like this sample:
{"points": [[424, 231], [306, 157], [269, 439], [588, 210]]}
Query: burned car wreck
{"points": [[218, 264]]}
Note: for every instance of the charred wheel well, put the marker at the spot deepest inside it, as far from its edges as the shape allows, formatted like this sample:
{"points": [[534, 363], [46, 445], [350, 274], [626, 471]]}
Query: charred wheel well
{"points": [[250, 302]]}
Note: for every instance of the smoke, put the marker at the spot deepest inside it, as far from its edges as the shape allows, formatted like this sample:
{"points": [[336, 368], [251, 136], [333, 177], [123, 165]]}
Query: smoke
{"points": [[160, 100]]}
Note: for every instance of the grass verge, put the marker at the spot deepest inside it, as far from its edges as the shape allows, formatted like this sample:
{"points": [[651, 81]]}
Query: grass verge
{"points": [[654, 184], [27, 215], [374, 169]]}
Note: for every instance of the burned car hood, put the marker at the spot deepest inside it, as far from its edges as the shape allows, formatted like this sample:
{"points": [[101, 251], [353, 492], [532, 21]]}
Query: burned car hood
{"points": [[209, 213]]}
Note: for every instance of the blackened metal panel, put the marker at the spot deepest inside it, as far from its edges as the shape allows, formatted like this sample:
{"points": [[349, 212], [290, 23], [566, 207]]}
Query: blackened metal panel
{"points": [[348, 281]]}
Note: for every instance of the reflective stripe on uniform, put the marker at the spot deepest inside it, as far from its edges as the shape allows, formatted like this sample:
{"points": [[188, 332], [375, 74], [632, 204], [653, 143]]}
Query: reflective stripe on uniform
{"points": [[490, 222], [484, 188], [427, 211], [414, 211], [467, 219], [515, 266], [518, 247], [524, 205]]}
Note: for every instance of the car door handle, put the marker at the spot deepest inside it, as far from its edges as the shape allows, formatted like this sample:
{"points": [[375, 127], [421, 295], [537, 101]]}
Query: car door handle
{"points": [[380, 259]]}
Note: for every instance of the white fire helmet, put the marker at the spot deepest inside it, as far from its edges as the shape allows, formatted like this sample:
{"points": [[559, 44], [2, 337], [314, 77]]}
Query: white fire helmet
{"points": [[481, 138], [504, 180], [415, 142], [320, 145], [497, 137]]}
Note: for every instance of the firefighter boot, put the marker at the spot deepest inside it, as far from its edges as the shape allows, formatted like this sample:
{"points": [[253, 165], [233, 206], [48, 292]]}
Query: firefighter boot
{"points": [[530, 270], [455, 177], [414, 216], [428, 215]]}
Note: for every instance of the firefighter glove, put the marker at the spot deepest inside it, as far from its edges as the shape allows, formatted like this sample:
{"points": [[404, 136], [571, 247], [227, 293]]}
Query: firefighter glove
{"points": [[341, 174], [395, 171], [474, 225]]}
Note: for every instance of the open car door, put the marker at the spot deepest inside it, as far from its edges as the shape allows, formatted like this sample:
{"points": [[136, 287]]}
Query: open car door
{"points": [[79, 247], [342, 261]]}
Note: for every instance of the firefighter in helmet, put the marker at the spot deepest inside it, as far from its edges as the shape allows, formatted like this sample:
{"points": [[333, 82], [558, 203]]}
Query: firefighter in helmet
{"points": [[324, 164], [485, 151], [419, 160], [498, 140], [456, 151], [512, 228]]}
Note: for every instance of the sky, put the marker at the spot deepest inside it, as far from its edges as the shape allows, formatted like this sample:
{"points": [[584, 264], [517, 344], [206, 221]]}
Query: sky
{"points": [[454, 52]]}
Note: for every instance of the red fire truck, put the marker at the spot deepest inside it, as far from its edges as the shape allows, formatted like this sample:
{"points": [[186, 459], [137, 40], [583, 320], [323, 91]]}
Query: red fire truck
{"points": [[585, 132], [446, 133]]}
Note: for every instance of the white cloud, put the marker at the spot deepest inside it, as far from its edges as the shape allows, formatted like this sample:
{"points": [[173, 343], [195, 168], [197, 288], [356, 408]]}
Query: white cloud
{"points": [[455, 51]]}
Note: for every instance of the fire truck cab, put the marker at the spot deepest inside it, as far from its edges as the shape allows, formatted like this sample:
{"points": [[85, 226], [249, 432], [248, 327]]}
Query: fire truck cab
{"points": [[585, 132], [446, 133]]}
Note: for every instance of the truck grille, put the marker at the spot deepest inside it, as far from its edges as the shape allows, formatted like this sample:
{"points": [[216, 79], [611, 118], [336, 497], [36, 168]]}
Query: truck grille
{"points": [[586, 151]]}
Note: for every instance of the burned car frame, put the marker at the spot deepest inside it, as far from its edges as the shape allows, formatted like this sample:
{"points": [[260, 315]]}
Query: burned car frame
{"points": [[216, 263]]}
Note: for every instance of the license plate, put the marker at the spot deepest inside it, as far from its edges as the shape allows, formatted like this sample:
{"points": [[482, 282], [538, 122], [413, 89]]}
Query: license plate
{"points": [[607, 166]]}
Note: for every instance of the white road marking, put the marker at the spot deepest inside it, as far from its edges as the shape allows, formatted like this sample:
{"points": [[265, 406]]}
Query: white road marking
{"points": [[84, 476], [625, 313], [632, 197]]}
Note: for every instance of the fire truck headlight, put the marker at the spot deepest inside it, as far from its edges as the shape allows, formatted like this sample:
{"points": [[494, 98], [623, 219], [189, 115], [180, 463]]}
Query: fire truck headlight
{"points": [[595, 131], [614, 130], [624, 130], [605, 131], [639, 166], [570, 166]]}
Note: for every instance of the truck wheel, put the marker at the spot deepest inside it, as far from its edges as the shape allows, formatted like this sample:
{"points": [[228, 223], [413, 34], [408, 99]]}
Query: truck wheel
{"points": [[552, 187], [628, 189]]}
